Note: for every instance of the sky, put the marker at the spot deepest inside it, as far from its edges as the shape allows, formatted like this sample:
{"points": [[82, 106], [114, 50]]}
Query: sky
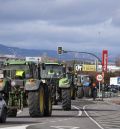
{"points": [[81, 25]]}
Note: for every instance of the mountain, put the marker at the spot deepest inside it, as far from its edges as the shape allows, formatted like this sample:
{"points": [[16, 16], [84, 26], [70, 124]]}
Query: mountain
{"points": [[19, 52], [26, 52]]}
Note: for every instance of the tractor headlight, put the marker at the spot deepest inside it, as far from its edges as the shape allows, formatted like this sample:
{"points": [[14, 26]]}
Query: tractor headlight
{"points": [[13, 83], [1, 83]]}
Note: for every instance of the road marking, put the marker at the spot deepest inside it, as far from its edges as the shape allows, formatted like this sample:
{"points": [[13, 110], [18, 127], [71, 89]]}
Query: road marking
{"points": [[16, 127], [21, 127], [92, 118], [51, 121], [65, 127], [79, 111]]}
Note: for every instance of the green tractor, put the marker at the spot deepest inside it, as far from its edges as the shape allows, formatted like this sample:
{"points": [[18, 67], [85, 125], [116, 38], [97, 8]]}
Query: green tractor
{"points": [[12, 85], [59, 82], [39, 94], [15, 89]]}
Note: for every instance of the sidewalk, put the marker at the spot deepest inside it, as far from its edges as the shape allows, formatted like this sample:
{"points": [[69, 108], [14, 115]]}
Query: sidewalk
{"points": [[114, 100]]}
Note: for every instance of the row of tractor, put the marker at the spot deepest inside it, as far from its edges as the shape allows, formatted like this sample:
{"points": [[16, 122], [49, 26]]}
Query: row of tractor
{"points": [[39, 85]]}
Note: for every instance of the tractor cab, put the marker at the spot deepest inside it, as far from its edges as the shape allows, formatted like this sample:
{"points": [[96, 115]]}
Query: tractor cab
{"points": [[52, 70], [18, 69]]}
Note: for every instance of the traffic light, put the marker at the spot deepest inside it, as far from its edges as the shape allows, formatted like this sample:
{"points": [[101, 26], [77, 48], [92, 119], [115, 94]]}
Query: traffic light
{"points": [[59, 50]]}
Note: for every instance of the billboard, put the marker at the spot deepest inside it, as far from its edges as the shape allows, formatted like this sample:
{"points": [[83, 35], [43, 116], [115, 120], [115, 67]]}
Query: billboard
{"points": [[104, 60], [89, 68], [78, 67]]}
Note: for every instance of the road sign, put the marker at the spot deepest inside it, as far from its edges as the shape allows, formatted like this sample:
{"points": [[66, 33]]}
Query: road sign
{"points": [[99, 77], [78, 67], [34, 59]]}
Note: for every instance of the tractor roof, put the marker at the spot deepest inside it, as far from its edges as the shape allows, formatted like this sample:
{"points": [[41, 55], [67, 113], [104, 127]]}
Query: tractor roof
{"points": [[16, 62], [53, 63]]}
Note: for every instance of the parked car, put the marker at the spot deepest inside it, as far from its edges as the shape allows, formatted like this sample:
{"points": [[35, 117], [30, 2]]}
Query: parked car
{"points": [[3, 110], [113, 88]]}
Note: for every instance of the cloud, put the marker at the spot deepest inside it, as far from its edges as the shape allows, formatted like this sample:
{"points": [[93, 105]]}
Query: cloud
{"points": [[73, 24]]}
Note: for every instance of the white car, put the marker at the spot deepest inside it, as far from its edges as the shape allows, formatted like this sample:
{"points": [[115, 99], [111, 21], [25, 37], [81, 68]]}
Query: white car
{"points": [[3, 110]]}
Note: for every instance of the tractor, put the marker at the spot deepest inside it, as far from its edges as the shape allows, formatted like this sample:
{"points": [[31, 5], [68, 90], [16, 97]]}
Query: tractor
{"points": [[60, 83], [21, 80]]}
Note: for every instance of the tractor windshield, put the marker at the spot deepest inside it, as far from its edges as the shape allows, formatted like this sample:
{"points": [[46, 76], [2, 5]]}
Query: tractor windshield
{"points": [[11, 71], [52, 71]]}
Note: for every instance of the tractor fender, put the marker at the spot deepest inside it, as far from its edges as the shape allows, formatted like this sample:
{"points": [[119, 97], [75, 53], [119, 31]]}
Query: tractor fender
{"points": [[33, 84], [64, 83]]}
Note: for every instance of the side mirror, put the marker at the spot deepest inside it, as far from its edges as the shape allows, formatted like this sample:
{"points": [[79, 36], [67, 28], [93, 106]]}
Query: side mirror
{"points": [[43, 66]]}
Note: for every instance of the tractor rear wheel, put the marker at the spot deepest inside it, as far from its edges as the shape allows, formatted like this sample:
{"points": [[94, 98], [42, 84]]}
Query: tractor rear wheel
{"points": [[66, 99], [3, 115], [80, 92], [48, 102], [12, 112], [36, 102]]}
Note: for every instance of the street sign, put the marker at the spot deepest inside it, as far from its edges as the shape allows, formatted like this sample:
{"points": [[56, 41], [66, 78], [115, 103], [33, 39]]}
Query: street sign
{"points": [[99, 77], [34, 59], [78, 67]]}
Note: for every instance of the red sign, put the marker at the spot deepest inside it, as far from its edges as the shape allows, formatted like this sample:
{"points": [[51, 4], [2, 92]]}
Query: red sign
{"points": [[104, 60], [99, 77]]}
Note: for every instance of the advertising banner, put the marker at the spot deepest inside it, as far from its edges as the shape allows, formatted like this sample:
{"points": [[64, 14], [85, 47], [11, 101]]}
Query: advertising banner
{"points": [[104, 60]]}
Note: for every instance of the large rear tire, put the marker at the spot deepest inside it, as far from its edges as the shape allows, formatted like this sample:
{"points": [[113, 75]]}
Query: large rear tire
{"points": [[80, 92], [48, 102], [73, 93], [3, 115], [12, 112], [54, 100], [87, 91], [36, 102], [66, 99]]}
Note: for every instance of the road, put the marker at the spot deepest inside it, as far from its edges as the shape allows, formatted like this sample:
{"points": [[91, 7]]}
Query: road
{"points": [[85, 114]]}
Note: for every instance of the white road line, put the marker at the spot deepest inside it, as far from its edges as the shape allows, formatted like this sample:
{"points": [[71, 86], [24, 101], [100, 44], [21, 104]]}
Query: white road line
{"points": [[16, 127], [92, 118], [21, 127], [52, 121], [79, 111]]}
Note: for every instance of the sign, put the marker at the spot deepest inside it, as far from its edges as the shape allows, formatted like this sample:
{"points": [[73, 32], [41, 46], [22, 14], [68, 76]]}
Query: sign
{"points": [[78, 67], [99, 77], [1, 76], [34, 59], [118, 80], [104, 60], [89, 68]]}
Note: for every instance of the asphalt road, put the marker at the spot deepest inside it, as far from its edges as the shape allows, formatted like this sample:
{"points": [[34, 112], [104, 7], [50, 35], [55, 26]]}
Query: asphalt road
{"points": [[85, 114]]}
